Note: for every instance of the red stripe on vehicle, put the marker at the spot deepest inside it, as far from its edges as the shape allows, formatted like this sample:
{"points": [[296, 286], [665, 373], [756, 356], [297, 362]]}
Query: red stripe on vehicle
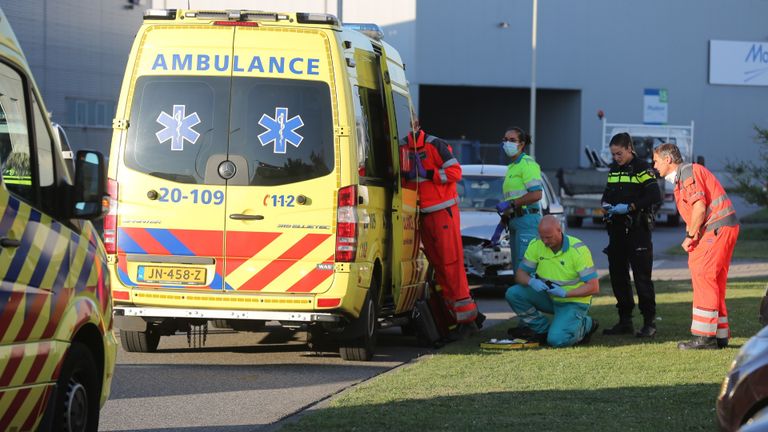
{"points": [[245, 245], [9, 310], [37, 412], [62, 299], [312, 279], [33, 314], [149, 244], [17, 354], [201, 242], [37, 366], [13, 408], [283, 262]]}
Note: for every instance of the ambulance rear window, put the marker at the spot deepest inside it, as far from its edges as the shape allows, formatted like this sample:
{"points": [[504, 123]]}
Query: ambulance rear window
{"points": [[177, 124], [283, 128]]}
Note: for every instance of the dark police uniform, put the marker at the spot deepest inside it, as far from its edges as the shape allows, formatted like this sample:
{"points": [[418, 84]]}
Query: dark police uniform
{"points": [[630, 236]]}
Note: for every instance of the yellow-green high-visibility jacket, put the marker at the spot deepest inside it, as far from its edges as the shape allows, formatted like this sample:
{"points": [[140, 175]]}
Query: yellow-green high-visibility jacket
{"points": [[523, 176], [570, 267]]}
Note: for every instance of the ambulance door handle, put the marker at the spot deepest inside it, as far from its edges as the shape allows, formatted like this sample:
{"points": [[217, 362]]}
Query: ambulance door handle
{"points": [[241, 216], [9, 242]]}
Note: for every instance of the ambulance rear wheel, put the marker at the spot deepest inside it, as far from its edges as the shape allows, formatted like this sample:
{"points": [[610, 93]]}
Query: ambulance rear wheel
{"points": [[362, 347], [77, 392], [140, 341]]}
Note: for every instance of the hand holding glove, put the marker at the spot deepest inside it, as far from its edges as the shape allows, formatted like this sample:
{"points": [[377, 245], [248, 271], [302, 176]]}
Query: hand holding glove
{"points": [[427, 174], [556, 290], [538, 285], [619, 209], [504, 207]]}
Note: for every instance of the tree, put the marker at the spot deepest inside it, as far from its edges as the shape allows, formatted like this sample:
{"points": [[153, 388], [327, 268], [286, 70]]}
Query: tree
{"points": [[751, 177]]}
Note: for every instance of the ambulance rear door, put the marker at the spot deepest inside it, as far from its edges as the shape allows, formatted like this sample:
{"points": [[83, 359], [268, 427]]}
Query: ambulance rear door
{"points": [[281, 196], [171, 180]]}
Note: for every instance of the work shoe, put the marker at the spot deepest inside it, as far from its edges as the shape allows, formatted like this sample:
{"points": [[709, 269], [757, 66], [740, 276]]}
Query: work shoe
{"points": [[621, 328], [527, 333], [648, 330], [722, 342], [587, 337], [480, 319], [462, 331], [699, 342]]}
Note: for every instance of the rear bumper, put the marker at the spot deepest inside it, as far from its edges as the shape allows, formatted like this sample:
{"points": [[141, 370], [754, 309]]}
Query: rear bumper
{"points": [[158, 312]]}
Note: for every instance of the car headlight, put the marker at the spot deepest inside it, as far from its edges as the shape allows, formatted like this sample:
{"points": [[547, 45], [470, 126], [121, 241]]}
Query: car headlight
{"points": [[754, 348]]}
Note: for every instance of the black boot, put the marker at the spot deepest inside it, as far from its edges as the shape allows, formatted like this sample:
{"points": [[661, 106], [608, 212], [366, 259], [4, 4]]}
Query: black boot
{"points": [[480, 319], [648, 329], [623, 327], [699, 342], [722, 342], [527, 333]]}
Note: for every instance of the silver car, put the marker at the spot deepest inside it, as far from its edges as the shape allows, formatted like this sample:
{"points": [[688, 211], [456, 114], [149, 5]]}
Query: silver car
{"points": [[479, 192]]}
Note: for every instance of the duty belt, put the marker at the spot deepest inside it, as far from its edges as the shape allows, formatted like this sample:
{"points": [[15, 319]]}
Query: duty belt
{"points": [[524, 211]]}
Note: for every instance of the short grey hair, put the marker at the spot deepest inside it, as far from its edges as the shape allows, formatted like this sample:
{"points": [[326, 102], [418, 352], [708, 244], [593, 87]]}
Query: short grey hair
{"points": [[669, 150]]}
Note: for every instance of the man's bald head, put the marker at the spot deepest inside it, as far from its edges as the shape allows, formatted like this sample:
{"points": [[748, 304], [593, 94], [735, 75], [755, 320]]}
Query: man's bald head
{"points": [[550, 232]]}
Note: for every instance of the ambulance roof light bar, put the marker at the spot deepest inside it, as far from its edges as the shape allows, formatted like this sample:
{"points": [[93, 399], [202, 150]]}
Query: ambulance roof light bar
{"points": [[236, 15], [162, 14], [371, 30], [317, 18]]}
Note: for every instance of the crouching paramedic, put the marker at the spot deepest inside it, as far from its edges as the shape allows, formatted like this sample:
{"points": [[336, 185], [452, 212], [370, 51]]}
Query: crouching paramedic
{"points": [[556, 277], [436, 170]]}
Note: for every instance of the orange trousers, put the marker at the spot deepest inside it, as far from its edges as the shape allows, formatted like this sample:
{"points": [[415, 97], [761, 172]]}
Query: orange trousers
{"points": [[709, 262], [441, 236]]}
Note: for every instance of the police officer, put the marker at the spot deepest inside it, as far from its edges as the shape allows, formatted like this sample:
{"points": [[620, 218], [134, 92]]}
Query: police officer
{"points": [[630, 198], [522, 190], [556, 277]]}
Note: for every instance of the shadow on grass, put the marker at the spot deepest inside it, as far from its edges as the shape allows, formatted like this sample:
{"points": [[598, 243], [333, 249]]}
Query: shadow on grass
{"points": [[653, 408], [673, 326]]}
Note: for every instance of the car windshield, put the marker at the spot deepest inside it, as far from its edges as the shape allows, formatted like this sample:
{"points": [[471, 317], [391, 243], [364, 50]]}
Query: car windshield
{"points": [[479, 192]]}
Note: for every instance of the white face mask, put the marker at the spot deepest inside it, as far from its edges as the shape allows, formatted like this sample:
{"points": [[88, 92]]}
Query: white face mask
{"points": [[510, 148]]}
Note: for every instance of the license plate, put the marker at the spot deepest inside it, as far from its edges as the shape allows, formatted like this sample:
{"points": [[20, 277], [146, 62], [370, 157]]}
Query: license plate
{"points": [[171, 275]]}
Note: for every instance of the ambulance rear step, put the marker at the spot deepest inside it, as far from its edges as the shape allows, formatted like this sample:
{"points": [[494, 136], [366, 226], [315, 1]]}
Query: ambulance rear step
{"points": [[155, 312]]}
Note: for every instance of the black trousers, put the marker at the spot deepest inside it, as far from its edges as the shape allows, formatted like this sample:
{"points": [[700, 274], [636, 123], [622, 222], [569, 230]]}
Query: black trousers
{"points": [[630, 246]]}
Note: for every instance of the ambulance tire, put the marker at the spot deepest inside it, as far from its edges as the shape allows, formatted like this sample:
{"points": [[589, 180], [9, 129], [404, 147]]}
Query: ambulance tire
{"points": [[361, 348], [140, 341], [78, 392]]}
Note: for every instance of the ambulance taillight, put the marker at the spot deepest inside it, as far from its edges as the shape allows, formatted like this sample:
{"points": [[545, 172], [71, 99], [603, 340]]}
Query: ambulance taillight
{"points": [[110, 220], [346, 224]]}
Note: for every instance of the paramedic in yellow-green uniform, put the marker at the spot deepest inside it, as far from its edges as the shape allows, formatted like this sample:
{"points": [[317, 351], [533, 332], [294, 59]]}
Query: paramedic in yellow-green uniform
{"points": [[522, 191], [557, 276]]}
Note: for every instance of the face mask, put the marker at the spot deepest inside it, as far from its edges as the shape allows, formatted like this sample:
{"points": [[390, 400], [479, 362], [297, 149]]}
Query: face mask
{"points": [[510, 148], [671, 177]]}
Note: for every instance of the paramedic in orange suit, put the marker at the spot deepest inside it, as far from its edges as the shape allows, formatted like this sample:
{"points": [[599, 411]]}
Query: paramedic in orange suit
{"points": [[711, 232]]}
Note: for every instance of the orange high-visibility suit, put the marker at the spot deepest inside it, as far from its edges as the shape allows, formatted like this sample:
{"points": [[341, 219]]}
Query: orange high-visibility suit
{"points": [[436, 171], [711, 255]]}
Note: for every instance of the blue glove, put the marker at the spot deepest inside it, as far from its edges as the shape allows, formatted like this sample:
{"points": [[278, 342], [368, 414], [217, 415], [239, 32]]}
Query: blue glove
{"points": [[556, 291], [619, 209], [422, 172], [497, 234], [538, 285], [503, 206]]}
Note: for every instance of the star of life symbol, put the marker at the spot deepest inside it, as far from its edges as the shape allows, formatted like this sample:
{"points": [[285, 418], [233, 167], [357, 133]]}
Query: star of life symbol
{"points": [[280, 130], [178, 127]]}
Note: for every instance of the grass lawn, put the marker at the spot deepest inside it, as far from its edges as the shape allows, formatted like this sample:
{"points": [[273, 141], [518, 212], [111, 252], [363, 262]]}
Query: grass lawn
{"points": [[617, 383], [750, 244]]}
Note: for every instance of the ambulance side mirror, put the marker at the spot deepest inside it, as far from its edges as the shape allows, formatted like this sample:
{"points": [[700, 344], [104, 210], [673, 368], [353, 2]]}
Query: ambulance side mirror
{"points": [[90, 185]]}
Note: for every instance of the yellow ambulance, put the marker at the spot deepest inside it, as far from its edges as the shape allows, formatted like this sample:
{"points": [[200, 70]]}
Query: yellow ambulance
{"points": [[57, 348], [255, 176]]}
